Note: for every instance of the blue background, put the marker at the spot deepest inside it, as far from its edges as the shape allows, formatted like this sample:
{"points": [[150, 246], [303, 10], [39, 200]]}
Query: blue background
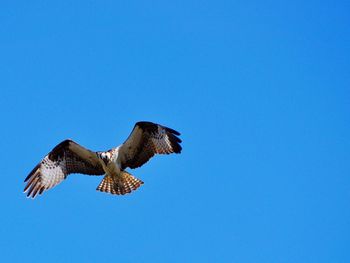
{"points": [[258, 89]]}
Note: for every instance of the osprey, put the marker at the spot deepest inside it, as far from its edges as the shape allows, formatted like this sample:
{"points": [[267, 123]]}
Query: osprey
{"points": [[145, 140]]}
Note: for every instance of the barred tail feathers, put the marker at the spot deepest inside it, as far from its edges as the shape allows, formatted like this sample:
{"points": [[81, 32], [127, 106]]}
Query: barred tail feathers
{"points": [[122, 184]]}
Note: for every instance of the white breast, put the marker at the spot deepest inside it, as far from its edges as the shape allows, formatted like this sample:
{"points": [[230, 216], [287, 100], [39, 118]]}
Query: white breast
{"points": [[113, 167]]}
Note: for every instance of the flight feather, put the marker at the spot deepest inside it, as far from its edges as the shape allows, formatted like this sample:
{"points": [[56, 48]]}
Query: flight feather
{"points": [[66, 158], [146, 140]]}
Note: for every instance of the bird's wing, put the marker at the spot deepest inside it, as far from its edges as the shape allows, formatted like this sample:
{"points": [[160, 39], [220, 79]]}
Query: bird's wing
{"points": [[66, 158], [146, 140]]}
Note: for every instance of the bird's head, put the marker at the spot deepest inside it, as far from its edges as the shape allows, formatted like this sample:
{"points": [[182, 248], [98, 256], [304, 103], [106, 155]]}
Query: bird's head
{"points": [[104, 156]]}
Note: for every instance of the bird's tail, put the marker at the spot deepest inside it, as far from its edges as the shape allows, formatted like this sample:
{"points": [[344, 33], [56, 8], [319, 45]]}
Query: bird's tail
{"points": [[122, 184]]}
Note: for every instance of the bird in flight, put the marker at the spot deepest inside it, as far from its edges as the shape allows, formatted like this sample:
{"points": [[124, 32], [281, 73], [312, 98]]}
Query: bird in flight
{"points": [[68, 157]]}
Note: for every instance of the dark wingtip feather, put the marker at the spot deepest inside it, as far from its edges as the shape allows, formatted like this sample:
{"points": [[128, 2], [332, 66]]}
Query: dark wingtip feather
{"points": [[175, 143], [177, 148], [36, 190], [172, 131], [177, 139], [32, 172], [41, 190], [154, 126], [33, 185]]}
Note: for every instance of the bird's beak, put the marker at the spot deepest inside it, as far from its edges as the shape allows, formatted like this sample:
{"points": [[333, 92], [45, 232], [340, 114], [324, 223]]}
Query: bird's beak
{"points": [[105, 160]]}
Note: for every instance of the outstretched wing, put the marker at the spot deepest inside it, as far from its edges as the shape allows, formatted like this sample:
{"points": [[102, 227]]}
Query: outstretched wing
{"points": [[66, 158], [146, 140]]}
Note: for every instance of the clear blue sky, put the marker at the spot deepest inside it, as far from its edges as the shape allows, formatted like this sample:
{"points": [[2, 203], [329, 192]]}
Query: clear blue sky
{"points": [[258, 89]]}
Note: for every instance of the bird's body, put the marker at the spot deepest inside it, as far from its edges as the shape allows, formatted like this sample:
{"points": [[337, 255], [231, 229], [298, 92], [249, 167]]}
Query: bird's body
{"points": [[146, 140], [116, 181], [109, 161]]}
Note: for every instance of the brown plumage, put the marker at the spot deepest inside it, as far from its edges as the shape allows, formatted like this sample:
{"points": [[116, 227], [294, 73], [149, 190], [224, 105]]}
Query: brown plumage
{"points": [[119, 185], [145, 140]]}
